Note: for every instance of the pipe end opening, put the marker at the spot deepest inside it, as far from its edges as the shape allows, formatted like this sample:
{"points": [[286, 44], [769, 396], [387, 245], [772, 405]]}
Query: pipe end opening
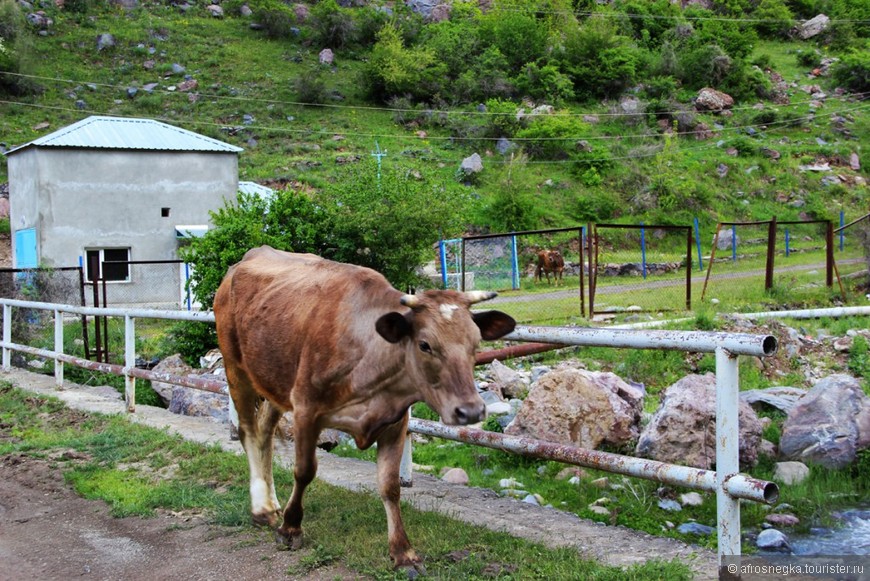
{"points": [[771, 492], [769, 345]]}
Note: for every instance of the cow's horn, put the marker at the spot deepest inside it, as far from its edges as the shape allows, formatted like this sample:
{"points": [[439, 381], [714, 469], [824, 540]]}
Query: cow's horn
{"points": [[410, 300], [478, 296]]}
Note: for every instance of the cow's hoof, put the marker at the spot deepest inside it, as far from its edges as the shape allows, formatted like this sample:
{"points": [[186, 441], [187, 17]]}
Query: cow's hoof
{"points": [[290, 538], [413, 570]]}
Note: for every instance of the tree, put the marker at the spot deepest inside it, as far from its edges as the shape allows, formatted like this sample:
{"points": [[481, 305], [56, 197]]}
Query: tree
{"points": [[388, 223]]}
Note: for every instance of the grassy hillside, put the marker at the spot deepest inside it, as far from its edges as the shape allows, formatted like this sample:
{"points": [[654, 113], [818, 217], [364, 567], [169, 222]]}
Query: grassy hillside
{"points": [[614, 160]]}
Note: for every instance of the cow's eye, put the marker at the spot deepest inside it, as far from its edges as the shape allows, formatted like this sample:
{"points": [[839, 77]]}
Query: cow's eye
{"points": [[425, 347]]}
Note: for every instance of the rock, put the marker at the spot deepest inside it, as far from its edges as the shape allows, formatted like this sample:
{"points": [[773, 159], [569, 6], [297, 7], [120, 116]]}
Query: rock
{"points": [[691, 499], [670, 505], [829, 425], [504, 145], [782, 520], [105, 41], [854, 162], [599, 510], [245, 11], [507, 381], [727, 238], [536, 499], [781, 398], [773, 540], [683, 429], [570, 472], [439, 13], [422, 7], [472, 164], [326, 57], [580, 408], [709, 99], [194, 402], [302, 12], [510, 483], [791, 472], [215, 10], [187, 85], [172, 365], [602, 482], [693, 528], [178, 69], [768, 449], [456, 476], [813, 26]]}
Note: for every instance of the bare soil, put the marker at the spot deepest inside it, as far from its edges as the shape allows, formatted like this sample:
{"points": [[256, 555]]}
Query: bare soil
{"points": [[48, 532]]}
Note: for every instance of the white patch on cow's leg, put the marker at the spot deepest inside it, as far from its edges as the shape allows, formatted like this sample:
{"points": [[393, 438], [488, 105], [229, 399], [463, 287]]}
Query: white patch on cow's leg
{"points": [[448, 310], [390, 447], [268, 419]]}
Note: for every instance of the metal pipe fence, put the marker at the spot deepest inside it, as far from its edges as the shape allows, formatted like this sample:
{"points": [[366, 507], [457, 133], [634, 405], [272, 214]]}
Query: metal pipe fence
{"points": [[730, 486]]}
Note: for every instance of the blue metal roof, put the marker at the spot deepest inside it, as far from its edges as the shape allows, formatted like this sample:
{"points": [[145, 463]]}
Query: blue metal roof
{"points": [[101, 132]]}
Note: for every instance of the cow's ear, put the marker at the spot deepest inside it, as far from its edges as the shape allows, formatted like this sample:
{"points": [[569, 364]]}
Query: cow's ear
{"points": [[393, 327], [493, 324]]}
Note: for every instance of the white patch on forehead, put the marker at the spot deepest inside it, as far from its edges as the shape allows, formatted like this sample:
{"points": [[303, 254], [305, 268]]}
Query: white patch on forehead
{"points": [[448, 310]]}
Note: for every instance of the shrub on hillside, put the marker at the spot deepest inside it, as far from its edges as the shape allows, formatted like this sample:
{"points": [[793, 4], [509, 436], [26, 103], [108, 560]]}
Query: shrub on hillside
{"points": [[310, 86], [544, 82], [395, 70], [519, 36], [332, 26], [853, 71], [774, 19], [276, 19], [551, 136], [15, 42]]}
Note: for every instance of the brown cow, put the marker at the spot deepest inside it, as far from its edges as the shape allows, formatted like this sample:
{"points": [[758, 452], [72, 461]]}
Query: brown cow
{"points": [[550, 261], [338, 347]]}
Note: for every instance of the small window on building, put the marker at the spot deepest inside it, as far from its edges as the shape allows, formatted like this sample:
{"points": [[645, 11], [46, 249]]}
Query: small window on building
{"points": [[111, 264], [164, 212]]}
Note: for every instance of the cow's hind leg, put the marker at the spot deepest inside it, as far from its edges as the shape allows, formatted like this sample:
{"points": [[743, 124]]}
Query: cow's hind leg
{"points": [[305, 435], [390, 447], [257, 421]]}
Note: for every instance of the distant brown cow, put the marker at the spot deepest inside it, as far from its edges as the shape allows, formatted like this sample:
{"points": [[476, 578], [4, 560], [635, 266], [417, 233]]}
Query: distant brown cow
{"points": [[338, 347], [550, 261]]}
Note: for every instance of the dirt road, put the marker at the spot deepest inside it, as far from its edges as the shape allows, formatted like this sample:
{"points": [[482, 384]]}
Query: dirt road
{"points": [[47, 532]]}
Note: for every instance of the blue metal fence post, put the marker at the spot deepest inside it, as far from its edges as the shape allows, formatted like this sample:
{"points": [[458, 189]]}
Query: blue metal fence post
{"points": [[698, 244], [787, 243], [842, 232], [734, 243], [443, 257], [643, 249], [515, 265]]}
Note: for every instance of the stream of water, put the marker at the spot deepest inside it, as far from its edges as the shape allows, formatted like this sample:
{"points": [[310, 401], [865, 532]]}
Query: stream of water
{"points": [[852, 538]]}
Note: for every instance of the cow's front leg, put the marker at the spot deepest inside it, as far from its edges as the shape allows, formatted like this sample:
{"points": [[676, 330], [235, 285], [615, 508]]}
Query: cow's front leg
{"points": [[305, 435], [390, 445]]}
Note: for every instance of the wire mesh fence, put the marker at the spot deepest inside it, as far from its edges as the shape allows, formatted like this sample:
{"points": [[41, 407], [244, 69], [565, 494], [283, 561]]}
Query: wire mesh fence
{"points": [[641, 268], [852, 256]]}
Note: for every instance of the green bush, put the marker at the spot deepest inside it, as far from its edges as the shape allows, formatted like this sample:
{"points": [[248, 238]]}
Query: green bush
{"points": [[704, 66], [775, 19], [394, 70], [332, 26], [15, 51], [310, 86], [190, 339], [545, 82], [853, 71], [551, 136], [601, 62], [276, 18], [519, 36]]}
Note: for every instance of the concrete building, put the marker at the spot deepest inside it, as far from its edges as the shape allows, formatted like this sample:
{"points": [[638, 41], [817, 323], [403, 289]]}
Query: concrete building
{"points": [[117, 189]]}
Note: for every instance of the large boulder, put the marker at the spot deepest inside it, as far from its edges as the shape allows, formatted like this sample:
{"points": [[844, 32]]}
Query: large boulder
{"points": [[813, 27], [172, 365], [712, 100], [829, 425], [580, 408], [683, 429]]}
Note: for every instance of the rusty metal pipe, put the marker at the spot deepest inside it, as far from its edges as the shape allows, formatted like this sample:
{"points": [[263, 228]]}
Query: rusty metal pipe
{"points": [[740, 486], [512, 351]]}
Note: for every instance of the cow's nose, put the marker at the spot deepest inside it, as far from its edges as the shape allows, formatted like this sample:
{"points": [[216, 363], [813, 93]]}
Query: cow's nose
{"points": [[469, 414]]}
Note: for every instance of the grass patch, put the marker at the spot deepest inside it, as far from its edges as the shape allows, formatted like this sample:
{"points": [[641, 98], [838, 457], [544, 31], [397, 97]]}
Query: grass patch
{"points": [[137, 469]]}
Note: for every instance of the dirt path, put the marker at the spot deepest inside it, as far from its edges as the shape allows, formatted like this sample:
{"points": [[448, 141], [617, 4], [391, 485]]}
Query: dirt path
{"points": [[47, 532]]}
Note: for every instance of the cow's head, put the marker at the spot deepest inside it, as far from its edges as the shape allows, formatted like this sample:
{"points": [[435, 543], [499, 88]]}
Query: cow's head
{"points": [[440, 335]]}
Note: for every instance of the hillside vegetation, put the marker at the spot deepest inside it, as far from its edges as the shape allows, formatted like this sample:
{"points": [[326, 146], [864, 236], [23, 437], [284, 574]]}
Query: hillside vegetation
{"points": [[620, 136]]}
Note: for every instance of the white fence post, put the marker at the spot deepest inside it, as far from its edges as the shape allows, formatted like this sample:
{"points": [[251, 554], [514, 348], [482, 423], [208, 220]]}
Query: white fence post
{"points": [[58, 347], [727, 453], [7, 337], [129, 363]]}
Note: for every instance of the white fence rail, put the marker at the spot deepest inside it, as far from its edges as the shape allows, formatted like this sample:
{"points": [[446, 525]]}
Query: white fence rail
{"points": [[730, 486]]}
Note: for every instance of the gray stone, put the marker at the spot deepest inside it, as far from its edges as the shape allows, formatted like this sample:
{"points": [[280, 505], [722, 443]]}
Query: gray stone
{"points": [[773, 540], [813, 27], [507, 381], [829, 425], [105, 41], [781, 398], [326, 57], [782, 520], [693, 528], [580, 408], [172, 365], [193, 402], [683, 429], [691, 499], [215, 10], [670, 505], [456, 476], [472, 164], [709, 99]]}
